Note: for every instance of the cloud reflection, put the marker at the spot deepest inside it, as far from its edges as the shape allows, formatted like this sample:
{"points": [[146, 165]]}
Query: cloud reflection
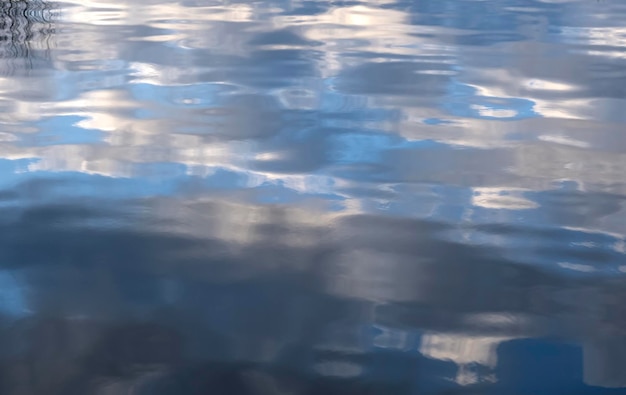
{"points": [[311, 197], [251, 286]]}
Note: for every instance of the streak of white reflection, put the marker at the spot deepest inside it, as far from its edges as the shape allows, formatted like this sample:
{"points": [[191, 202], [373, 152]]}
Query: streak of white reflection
{"points": [[502, 198], [464, 350], [611, 37]]}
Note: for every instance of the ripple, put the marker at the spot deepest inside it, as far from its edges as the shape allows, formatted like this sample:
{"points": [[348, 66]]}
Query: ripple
{"points": [[312, 197]]}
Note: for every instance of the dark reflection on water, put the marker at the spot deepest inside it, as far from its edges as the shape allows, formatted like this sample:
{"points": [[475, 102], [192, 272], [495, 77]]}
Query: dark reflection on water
{"points": [[312, 197], [25, 30]]}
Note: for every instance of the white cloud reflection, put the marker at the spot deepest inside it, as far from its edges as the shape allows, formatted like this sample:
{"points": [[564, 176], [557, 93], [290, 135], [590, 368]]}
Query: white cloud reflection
{"points": [[203, 87], [243, 109], [464, 350]]}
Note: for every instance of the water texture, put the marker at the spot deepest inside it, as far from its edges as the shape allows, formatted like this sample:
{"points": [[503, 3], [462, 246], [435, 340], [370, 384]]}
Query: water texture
{"points": [[312, 197]]}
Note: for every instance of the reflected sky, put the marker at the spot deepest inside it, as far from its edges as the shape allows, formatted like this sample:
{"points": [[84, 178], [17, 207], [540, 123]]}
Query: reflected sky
{"points": [[312, 197]]}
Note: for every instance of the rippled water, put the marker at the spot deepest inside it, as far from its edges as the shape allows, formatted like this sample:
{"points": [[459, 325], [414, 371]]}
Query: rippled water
{"points": [[312, 197]]}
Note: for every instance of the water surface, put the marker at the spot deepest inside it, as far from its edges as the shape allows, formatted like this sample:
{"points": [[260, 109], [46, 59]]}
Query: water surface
{"points": [[312, 197]]}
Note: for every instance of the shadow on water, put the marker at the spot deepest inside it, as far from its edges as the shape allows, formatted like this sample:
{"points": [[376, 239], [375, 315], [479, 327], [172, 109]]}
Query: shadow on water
{"points": [[136, 307], [26, 29]]}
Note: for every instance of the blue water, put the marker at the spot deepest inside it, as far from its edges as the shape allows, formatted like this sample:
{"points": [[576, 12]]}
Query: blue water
{"points": [[312, 197]]}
